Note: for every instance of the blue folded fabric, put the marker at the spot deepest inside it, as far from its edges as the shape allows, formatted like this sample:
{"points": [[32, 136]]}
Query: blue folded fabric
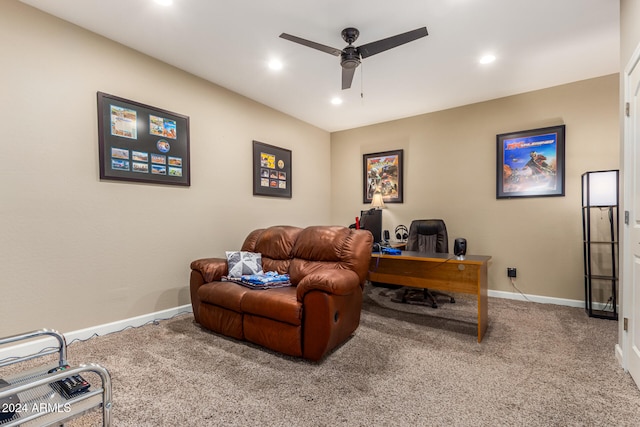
{"points": [[266, 278], [391, 251]]}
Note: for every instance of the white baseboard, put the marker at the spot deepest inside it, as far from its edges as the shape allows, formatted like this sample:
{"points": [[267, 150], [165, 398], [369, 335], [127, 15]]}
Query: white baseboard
{"points": [[547, 300], [536, 298], [34, 346]]}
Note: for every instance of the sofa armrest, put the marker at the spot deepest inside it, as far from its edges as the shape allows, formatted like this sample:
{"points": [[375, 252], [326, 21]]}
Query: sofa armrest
{"points": [[332, 281], [211, 269]]}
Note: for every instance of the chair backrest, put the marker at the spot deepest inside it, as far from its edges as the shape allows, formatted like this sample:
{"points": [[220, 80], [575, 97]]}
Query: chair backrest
{"points": [[428, 235]]}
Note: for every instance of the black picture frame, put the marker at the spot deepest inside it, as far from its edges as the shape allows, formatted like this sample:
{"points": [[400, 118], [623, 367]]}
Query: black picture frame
{"points": [[383, 171], [531, 163], [141, 143], [271, 170]]}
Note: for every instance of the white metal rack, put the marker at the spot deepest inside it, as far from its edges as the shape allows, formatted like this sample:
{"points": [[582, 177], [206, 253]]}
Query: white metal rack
{"points": [[41, 401]]}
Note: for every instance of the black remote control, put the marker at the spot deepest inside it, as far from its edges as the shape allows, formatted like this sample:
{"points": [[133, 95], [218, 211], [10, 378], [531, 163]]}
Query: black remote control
{"points": [[72, 385]]}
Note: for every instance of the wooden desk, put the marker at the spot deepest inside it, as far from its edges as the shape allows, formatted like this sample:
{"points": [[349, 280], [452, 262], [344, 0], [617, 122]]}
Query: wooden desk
{"points": [[436, 271]]}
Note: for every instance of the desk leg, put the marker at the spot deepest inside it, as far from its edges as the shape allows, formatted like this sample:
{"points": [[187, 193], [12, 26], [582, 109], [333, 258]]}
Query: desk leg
{"points": [[483, 302]]}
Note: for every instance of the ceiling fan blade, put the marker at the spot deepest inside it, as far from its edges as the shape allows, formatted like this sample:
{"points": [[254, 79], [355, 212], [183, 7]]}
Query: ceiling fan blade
{"points": [[328, 49], [347, 77], [372, 48]]}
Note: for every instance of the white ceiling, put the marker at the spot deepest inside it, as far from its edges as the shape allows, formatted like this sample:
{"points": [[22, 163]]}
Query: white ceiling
{"points": [[538, 44]]}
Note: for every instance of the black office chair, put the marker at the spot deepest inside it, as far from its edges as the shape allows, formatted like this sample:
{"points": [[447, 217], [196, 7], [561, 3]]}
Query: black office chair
{"points": [[425, 235]]}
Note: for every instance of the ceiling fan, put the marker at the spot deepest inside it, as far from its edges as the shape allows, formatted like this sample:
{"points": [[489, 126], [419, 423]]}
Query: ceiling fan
{"points": [[351, 55]]}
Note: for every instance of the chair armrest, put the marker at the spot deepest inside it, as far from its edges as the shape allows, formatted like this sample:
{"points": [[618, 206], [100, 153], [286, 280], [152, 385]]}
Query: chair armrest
{"points": [[211, 269], [332, 281]]}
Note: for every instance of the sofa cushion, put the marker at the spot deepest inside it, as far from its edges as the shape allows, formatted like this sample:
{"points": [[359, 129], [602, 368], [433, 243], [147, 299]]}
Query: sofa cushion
{"points": [[333, 247], [321, 243], [272, 334], [223, 294], [242, 262], [317, 249], [221, 320], [275, 244], [278, 304]]}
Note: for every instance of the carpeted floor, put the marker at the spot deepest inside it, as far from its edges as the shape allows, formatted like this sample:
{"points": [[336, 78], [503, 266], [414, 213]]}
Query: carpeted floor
{"points": [[406, 365]]}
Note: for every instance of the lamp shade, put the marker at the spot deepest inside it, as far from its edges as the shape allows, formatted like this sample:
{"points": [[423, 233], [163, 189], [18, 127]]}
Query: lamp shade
{"points": [[376, 201], [600, 188]]}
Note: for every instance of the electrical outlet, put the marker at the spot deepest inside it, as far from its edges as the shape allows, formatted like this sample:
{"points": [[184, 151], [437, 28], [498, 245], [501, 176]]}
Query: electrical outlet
{"points": [[511, 272]]}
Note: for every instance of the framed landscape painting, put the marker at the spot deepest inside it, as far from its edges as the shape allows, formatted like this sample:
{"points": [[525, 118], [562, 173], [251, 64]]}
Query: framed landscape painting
{"points": [[531, 163]]}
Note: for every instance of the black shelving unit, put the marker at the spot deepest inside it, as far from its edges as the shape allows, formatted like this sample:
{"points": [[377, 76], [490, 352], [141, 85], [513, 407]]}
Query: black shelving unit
{"points": [[600, 195]]}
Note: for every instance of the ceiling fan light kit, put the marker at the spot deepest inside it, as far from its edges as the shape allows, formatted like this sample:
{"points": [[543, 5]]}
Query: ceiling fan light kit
{"points": [[351, 56]]}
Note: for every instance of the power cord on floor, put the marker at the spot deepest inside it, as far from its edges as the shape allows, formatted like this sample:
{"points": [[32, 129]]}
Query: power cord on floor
{"points": [[513, 283], [155, 322]]}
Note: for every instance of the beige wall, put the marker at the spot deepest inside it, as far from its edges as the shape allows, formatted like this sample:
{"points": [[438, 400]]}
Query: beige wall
{"points": [[117, 250], [76, 251], [450, 173]]}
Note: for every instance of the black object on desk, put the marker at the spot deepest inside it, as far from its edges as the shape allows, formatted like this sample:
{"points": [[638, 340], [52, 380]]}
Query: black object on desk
{"points": [[371, 221]]}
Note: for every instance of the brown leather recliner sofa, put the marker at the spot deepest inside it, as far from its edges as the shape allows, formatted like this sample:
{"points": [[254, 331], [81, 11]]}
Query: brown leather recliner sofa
{"points": [[327, 266]]}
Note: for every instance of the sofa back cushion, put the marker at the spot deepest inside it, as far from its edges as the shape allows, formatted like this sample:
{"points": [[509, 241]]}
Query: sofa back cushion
{"points": [[275, 244], [320, 247]]}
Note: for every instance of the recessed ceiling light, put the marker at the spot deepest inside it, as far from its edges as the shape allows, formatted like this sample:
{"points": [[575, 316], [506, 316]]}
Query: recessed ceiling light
{"points": [[164, 2], [274, 64], [487, 59], [336, 101]]}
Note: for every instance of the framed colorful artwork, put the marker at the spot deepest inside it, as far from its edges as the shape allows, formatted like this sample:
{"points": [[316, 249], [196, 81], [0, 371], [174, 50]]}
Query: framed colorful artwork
{"points": [[530, 163], [383, 172], [141, 143], [271, 170]]}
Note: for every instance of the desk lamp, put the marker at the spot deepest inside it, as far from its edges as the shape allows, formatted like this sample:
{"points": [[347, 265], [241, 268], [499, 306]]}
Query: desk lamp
{"points": [[377, 202]]}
